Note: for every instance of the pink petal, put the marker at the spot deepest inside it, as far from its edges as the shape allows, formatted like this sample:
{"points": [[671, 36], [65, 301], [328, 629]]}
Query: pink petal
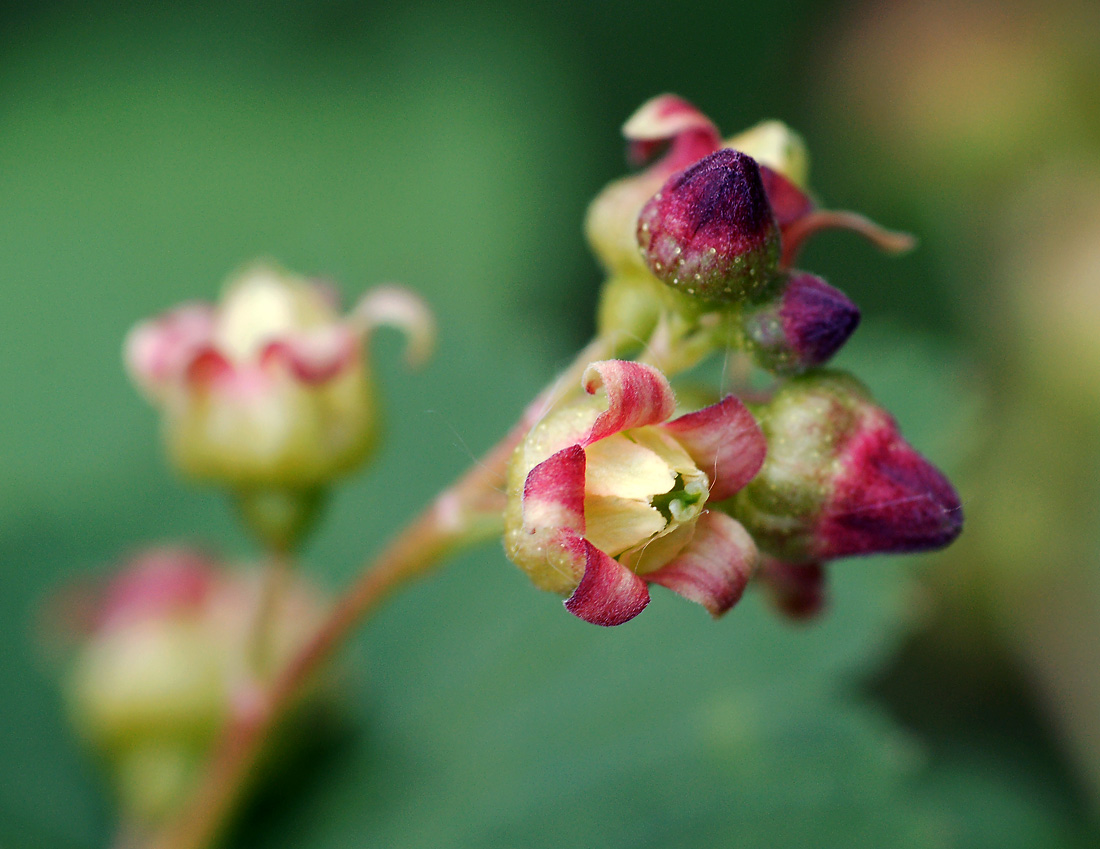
{"points": [[637, 395], [725, 442], [668, 118], [716, 566], [315, 357], [208, 366], [609, 593], [553, 494], [788, 201], [160, 350], [394, 306]]}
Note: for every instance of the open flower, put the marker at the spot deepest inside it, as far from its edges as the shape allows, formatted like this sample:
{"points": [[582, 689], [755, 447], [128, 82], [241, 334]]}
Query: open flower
{"points": [[603, 501], [269, 388]]}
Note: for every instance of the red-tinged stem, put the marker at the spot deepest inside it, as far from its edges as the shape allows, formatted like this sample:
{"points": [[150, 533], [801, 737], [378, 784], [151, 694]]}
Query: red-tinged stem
{"points": [[467, 512]]}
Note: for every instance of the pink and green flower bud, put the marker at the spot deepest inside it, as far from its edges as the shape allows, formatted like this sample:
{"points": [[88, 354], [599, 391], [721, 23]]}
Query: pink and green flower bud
{"points": [[803, 326], [612, 218], [608, 496], [270, 388], [154, 680], [840, 480], [710, 231]]}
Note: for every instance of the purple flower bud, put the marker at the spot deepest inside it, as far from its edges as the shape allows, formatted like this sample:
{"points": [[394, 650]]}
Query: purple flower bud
{"points": [[710, 231], [840, 480], [796, 590], [802, 327]]}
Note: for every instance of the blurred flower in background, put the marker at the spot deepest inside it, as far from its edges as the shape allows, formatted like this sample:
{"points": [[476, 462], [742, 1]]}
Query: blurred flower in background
{"points": [[994, 106]]}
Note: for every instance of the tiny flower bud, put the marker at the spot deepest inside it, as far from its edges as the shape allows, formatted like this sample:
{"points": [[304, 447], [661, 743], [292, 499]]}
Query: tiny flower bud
{"points": [[153, 682], [840, 480], [710, 231], [797, 590], [802, 326], [607, 498], [270, 388]]}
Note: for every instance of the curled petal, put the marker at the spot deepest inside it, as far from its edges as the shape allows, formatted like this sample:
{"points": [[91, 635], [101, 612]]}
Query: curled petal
{"points": [[609, 593], [726, 443], [795, 235], [553, 494], [160, 350], [314, 357], [716, 566], [637, 395], [668, 118], [397, 307]]}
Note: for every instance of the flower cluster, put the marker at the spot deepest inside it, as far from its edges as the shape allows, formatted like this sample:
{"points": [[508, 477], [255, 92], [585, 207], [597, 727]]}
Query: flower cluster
{"points": [[699, 249]]}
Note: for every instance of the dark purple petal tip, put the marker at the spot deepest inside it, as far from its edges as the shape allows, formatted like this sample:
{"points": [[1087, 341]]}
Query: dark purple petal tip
{"points": [[817, 319], [710, 231], [797, 590], [888, 498]]}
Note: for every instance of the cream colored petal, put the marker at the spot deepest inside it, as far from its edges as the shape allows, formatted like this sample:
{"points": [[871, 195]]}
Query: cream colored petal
{"points": [[617, 466], [667, 448], [657, 552], [615, 524]]}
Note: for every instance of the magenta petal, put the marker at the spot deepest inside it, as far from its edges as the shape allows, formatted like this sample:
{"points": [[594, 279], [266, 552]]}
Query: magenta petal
{"points": [[609, 593], [716, 566], [668, 118], [553, 494], [314, 357], [159, 351], [725, 442], [788, 202], [637, 395]]}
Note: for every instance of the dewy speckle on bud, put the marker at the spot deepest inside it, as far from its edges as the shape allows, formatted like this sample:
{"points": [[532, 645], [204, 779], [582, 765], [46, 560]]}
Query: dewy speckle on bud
{"points": [[712, 229]]}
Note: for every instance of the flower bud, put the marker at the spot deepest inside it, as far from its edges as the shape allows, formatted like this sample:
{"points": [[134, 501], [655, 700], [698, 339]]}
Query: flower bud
{"points": [[153, 682], [796, 590], [840, 480], [604, 499], [710, 231], [269, 389], [802, 326], [612, 218]]}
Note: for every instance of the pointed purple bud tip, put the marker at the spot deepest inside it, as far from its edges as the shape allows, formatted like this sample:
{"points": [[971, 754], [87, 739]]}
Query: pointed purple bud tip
{"points": [[887, 498], [710, 231], [802, 327], [817, 319], [840, 480]]}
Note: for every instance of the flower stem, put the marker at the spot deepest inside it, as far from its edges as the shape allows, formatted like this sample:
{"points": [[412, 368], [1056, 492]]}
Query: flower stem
{"points": [[467, 512], [274, 580]]}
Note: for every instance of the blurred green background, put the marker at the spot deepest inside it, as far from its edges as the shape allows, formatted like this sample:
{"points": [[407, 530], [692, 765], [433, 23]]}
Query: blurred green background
{"points": [[146, 151]]}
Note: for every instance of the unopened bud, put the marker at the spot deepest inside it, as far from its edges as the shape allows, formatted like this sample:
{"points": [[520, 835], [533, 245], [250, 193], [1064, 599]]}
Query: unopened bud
{"points": [[802, 326], [710, 231], [840, 480], [796, 590]]}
